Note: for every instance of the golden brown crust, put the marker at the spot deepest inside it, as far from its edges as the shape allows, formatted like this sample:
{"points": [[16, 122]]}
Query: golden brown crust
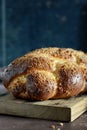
{"points": [[71, 80], [41, 85], [47, 73]]}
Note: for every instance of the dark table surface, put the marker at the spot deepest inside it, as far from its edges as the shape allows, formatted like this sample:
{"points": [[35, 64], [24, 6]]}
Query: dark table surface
{"points": [[21, 123]]}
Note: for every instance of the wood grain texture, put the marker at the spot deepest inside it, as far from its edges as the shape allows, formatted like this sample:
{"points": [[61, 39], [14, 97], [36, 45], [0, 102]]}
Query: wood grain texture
{"points": [[59, 110]]}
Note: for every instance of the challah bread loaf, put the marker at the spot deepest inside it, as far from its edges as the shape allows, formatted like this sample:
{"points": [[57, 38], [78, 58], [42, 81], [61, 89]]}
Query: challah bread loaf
{"points": [[47, 73]]}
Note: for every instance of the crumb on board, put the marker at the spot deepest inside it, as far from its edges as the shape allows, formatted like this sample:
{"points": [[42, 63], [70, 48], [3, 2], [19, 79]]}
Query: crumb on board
{"points": [[57, 126], [53, 126], [58, 129], [60, 124]]}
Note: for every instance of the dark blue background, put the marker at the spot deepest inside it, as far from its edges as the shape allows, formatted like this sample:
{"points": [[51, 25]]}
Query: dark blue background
{"points": [[0, 34], [32, 24]]}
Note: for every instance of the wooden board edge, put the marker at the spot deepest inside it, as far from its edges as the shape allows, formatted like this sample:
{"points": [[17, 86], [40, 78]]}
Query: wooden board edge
{"points": [[36, 111], [78, 109]]}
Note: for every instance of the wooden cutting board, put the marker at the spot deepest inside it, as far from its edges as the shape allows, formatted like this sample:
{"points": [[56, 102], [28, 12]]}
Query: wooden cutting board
{"points": [[59, 110]]}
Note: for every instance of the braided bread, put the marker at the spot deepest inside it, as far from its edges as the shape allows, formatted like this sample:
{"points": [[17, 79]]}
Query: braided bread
{"points": [[47, 73]]}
